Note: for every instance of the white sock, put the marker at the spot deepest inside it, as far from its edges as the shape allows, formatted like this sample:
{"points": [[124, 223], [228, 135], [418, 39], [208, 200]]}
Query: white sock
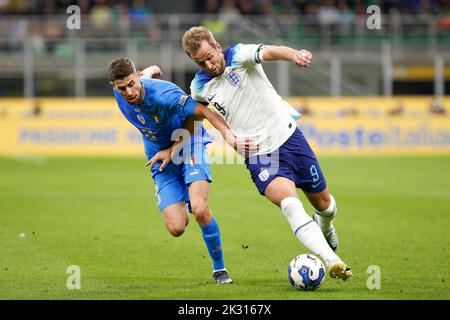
{"points": [[307, 230], [325, 218]]}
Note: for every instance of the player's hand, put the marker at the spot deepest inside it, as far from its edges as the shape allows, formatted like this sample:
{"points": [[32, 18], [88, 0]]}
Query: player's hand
{"points": [[164, 155], [242, 145], [152, 72], [302, 58]]}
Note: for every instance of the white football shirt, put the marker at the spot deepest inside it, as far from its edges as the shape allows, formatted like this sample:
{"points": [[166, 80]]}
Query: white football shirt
{"points": [[246, 100]]}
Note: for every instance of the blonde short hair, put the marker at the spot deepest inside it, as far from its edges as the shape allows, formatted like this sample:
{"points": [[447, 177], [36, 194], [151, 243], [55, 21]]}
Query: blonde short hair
{"points": [[193, 38]]}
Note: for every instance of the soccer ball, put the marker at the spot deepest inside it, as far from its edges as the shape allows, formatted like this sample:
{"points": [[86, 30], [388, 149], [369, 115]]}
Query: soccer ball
{"points": [[306, 272]]}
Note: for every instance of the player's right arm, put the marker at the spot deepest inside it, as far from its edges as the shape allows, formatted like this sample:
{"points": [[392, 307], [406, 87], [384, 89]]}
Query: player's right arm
{"points": [[257, 53], [201, 111], [173, 98], [242, 145], [301, 58]]}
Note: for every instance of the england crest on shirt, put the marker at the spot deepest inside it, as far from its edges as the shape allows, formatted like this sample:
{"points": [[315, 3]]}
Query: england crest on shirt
{"points": [[234, 78]]}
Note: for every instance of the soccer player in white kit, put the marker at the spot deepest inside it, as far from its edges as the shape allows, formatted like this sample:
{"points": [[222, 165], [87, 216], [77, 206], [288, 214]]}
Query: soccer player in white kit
{"points": [[233, 82]]}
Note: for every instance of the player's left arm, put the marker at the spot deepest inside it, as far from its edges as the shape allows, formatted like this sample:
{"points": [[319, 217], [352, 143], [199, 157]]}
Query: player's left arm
{"points": [[168, 154], [301, 58]]}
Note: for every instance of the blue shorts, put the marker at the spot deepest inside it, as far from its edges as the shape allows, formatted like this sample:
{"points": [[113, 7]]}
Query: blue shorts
{"points": [[294, 160], [171, 185]]}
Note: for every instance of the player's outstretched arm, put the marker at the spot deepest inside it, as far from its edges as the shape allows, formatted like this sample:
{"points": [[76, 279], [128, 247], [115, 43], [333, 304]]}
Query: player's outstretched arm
{"points": [[301, 58], [242, 145]]}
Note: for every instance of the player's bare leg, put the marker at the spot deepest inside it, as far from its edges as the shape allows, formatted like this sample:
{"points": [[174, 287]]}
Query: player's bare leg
{"points": [[176, 218], [199, 194], [279, 189], [319, 200], [283, 193], [325, 210]]}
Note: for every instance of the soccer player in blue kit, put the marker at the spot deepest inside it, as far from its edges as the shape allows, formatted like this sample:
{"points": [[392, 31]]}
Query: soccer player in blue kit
{"points": [[157, 108]]}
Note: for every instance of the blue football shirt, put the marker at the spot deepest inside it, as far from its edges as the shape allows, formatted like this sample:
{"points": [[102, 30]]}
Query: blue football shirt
{"points": [[163, 110]]}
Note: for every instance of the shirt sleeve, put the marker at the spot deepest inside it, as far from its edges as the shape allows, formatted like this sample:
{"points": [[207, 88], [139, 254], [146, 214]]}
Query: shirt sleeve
{"points": [[170, 96], [247, 53], [196, 93]]}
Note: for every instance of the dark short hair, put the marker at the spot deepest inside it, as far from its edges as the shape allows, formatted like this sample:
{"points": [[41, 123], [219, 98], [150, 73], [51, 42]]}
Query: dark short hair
{"points": [[121, 68]]}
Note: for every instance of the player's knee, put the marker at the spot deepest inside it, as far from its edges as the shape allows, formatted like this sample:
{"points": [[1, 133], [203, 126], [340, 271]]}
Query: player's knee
{"points": [[323, 203], [176, 229], [201, 212]]}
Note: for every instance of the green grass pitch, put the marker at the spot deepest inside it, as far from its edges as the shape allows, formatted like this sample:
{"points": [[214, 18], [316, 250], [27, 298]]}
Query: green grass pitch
{"points": [[100, 214]]}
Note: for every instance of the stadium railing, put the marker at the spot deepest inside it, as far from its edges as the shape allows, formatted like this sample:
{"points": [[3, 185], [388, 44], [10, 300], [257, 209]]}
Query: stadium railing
{"points": [[36, 49]]}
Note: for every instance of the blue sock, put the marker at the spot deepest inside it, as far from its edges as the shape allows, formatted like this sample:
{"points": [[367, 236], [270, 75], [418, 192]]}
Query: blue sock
{"points": [[211, 235]]}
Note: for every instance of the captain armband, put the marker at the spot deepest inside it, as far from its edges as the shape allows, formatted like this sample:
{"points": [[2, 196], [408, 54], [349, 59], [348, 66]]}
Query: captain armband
{"points": [[259, 54]]}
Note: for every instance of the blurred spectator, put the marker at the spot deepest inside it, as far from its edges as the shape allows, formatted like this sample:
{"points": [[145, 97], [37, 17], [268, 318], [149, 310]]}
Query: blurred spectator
{"points": [[18, 6], [266, 6], [3, 6], [15, 31], [51, 29], [425, 6], [360, 15], [301, 6], [328, 17], [437, 107], [210, 18], [101, 15], [84, 6], [121, 14], [211, 7], [444, 18], [312, 9], [230, 15], [397, 111], [141, 19], [36, 37], [36, 111], [288, 17], [346, 17], [246, 7], [328, 14]]}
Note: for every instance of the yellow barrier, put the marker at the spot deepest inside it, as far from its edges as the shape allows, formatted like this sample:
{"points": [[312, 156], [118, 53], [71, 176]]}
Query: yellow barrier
{"points": [[66, 127], [355, 125]]}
